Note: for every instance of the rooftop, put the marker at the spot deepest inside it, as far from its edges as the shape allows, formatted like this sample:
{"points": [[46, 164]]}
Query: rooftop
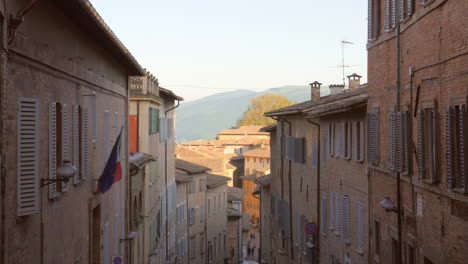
{"points": [[189, 167], [269, 128], [258, 153], [243, 130], [306, 106], [180, 178], [170, 93], [213, 180], [235, 194]]}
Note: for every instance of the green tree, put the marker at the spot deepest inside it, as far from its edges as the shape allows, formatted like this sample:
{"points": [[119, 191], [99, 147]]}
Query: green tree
{"points": [[253, 116]]}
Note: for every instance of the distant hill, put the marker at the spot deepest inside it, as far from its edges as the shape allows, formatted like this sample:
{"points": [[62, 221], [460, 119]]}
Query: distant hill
{"points": [[203, 118]]}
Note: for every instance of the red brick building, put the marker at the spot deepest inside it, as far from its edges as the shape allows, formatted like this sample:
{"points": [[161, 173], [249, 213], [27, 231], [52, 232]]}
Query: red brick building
{"points": [[417, 130]]}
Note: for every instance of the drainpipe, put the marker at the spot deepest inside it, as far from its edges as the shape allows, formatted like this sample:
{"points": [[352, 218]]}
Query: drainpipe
{"points": [[188, 222], [138, 126], [290, 195], [165, 178], [398, 100], [318, 184]]}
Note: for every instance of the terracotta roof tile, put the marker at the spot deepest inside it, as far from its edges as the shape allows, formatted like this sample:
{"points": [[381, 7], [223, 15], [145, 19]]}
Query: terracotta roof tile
{"points": [[258, 152], [235, 194], [213, 180], [189, 167], [243, 130]]}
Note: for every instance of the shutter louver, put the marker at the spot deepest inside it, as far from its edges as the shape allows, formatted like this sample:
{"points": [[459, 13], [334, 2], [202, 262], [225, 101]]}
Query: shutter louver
{"points": [[348, 140], [331, 146], [150, 120], [337, 213], [398, 143], [405, 141], [373, 138], [391, 141], [360, 227], [387, 16], [84, 145], [106, 135], [65, 140], [355, 143], [116, 125], [393, 12], [324, 151], [323, 225], [332, 202], [450, 142], [409, 7], [421, 144], [53, 150], [76, 142], [369, 19], [28, 156], [345, 221], [432, 147], [462, 157], [401, 9], [361, 141]]}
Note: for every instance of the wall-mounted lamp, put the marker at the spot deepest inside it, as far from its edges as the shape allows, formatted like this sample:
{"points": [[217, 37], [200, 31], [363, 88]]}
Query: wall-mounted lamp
{"points": [[63, 174], [388, 205], [130, 236], [310, 243]]}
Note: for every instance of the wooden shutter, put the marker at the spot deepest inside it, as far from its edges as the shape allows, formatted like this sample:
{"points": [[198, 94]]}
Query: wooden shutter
{"points": [[398, 143], [401, 9], [28, 183], [431, 136], [93, 116], [387, 16], [348, 132], [156, 119], [450, 145], [331, 146], [405, 141], [391, 140], [150, 120], [355, 143], [314, 153], [324, 155], [369, 19], [202, 213], [106, 135], [76, 143], [53, 149], [409, 7], [323, 226], [393, 12], [373, 138], [65, 140], [345, 221], [337, 213], [361, 141], [360, 227], [84, 144], [462, 146], [421, 144], [331, 202]]}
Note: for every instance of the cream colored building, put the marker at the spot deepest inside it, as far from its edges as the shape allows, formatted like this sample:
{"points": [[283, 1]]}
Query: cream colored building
{"points": [[234, 233], [184, 182], [216, 196], [64, 97], [152, 131]]}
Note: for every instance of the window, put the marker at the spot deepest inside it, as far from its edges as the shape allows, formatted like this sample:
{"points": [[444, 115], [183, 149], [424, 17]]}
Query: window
{"points": [[323, 222], [314, 153], [398, 140], [360, 227], [457, 142], [337, 213], [332, 202], [373, 19], [411, 255], [192, 247], [426, 144], [192, 216], [324, 151], [202, 185], [358, 141], [202, 213], [28, 156], [331, 136], [202, 245], [373, 140], [295, 149], [193, 186], [347, 140]]}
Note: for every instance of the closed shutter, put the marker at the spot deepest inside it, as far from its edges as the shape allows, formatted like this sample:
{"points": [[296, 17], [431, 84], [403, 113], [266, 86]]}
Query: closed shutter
{"points": [[349, 137], [93, 116], [332, 211], [324, 151], [116, 125], [192, 216], [150, 120], [355, 143], [84, 144], [336, 134], [369, 19], [373, 138], [432, 145], [391, 140], [393, 12], [53, 150], [331, 146], [361, 141], [462, 155], [65, 140], [398, 143], [387, 16], [409, 7], [106, 135], [450, 145], [337, 213], [345, 230], [156, 119], [299, 150], [323, 226], [314, 153], [405, 141], [360, 227], [421, 144], [202, 213], [76, 143], [28, 156], [401, 9]]}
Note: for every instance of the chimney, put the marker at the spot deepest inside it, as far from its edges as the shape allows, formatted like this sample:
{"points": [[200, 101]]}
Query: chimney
{"points": [[315, 91], [354, 81], [336, 88]]}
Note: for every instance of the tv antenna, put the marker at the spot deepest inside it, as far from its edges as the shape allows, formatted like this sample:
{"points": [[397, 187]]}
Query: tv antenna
{"points": [[343, 42]]}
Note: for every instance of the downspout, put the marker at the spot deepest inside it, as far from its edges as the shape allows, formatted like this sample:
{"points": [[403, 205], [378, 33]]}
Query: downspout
{"points": [[165, 178], [188, 222], [398, 105], [318, 184], [138, 126], [290, 196]]}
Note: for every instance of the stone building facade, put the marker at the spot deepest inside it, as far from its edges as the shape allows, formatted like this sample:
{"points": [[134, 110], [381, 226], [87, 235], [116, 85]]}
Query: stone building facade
{"points": [[427, 99], [64, 97]]}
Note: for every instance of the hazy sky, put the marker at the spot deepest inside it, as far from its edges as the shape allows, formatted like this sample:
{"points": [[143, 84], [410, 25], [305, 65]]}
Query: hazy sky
{"points": [[201, 47]]}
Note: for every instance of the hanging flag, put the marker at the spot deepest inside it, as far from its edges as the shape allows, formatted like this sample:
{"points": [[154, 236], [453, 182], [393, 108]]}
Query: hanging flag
{"points": [[113, 170]]}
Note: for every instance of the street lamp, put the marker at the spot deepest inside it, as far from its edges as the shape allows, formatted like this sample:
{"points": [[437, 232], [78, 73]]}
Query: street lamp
{"points": [[130, 236], [64, 173], [388, 205]]}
